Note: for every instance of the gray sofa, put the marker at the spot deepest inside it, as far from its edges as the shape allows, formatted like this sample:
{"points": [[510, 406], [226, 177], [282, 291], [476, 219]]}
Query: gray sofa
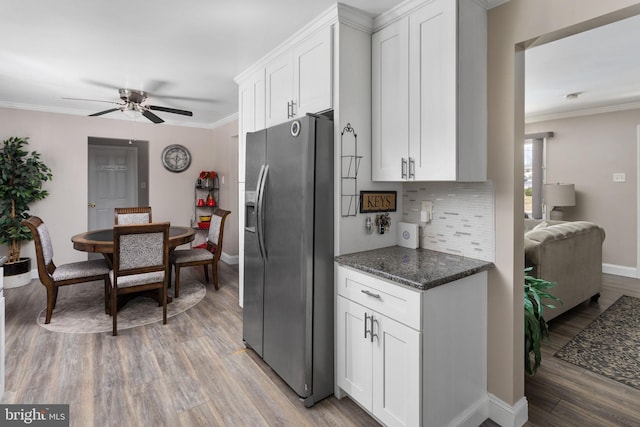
{"points": [[569, 253]]}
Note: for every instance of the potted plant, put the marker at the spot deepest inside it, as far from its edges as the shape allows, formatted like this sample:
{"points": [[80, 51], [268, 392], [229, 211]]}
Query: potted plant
{"points": [[22, 174], [535, 327]]}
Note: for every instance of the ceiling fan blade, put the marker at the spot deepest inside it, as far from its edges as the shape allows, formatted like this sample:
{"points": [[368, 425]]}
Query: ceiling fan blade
{"points": [[170, 110], [149, 115], [104, 112]]}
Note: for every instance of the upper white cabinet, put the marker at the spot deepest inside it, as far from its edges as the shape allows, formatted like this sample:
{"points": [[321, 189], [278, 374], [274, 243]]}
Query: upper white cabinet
{"points": [[429, 94], [299, 80], [251, 108]]}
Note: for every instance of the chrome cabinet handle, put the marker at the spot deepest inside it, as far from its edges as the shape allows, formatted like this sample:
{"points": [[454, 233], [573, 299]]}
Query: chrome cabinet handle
{"points": [[366, 317], [373, 335], [404, 168], [290, 111], [412, 168], [371, 294]]}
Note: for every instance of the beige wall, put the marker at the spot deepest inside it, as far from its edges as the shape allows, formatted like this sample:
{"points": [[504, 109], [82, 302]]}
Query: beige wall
{"points": [[586, 151], [62, 141], [518, 22]]}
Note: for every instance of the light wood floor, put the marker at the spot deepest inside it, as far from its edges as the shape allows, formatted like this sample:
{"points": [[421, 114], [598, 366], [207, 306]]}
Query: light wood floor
{"points": [[194, 371], [562, 394]]}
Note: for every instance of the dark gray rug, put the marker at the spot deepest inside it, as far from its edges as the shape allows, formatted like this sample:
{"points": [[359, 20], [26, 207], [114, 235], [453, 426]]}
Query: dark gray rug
{"points": [[610, 345], [80, 308]]}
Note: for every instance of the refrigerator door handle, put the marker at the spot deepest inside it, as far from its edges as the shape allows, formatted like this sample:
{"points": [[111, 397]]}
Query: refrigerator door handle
{"points": [[264, 170]]}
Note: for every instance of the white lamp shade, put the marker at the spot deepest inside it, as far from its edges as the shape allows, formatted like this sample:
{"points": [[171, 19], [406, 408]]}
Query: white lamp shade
{"points": [[559, 195]]}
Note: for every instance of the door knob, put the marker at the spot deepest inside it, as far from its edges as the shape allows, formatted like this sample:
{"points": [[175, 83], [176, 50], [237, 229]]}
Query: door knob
{"points": [[92, 205]]}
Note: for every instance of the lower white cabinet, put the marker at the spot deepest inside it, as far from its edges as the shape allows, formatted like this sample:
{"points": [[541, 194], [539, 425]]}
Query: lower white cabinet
{"points": [[411, 357], [380, 363]]}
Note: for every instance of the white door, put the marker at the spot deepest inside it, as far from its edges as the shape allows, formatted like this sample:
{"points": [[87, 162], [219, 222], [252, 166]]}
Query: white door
{"points": [[312, 61], [433, 96], [396, 373], [113, 182], [353, 352], [390, 102], [279, 89]]}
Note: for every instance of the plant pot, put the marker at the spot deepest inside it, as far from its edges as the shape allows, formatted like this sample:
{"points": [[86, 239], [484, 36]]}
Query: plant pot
{"points": [[17, 274]]}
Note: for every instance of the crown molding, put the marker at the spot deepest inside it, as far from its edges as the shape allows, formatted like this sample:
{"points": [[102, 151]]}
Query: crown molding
{"points": [[534, 118]]}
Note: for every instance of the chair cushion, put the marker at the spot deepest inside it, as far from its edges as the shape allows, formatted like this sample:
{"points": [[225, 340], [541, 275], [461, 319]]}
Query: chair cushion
{"points": [[190, 255], [47, 246], [140, 250], [78, 270], [133, 218], [137, 279], [214, 228]]}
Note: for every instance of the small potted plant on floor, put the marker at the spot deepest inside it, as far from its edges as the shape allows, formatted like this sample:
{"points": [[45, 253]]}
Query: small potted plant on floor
{"points": [[535, 327], [22, 174]]}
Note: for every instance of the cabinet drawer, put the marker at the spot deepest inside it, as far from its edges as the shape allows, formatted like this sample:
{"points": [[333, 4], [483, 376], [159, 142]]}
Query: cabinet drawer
{"points": [[394, 301]]}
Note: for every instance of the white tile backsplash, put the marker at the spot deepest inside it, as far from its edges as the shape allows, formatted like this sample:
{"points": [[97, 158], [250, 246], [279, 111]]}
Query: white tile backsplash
{"points": [[463, 218]]}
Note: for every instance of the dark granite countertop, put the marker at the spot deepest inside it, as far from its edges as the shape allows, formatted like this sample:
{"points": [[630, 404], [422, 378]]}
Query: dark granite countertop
{"points": [[418, 268]]}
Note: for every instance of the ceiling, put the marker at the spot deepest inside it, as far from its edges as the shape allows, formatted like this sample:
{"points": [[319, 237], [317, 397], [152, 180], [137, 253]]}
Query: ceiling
{"points": [[601, 65], [186, 53]]}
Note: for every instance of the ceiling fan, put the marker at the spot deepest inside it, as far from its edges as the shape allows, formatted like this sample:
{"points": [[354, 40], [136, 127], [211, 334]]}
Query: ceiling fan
{"points": [[132, 101]]}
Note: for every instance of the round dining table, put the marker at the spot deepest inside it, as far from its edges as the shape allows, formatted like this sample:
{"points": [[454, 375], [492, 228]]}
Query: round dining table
{"points": [[101, 241]]}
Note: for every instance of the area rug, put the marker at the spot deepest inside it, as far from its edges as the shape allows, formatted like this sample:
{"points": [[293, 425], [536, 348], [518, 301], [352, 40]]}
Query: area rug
{"points": [[610, 345], [81, 311]]}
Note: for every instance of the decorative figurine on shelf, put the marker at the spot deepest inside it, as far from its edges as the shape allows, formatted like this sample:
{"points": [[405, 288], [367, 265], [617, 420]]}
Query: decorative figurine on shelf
{"points": [[206, 178], [210, 201]]}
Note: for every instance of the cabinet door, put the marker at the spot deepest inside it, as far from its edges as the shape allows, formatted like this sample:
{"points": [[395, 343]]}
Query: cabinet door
{"points": [[433, 96], [251, 107], [390, 101], [279, 89], [312, 74], [396, 373], [353, 352]]}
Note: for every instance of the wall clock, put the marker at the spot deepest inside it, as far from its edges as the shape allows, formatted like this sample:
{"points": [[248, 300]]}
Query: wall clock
{"points": [[176, 158]]}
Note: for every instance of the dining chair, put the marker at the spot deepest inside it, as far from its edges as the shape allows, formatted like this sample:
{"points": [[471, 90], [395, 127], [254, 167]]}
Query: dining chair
{"points": [[52, 276], [205, 256], [140, 263], [132, 215]]}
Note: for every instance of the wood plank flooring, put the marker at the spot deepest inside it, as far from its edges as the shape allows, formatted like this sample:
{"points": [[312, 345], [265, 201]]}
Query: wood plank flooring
{"points": [[562, 394], [195, 371]]}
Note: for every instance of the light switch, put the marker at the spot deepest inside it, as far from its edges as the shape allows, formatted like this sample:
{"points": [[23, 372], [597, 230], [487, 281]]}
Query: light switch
{"points": [[619, 177]]}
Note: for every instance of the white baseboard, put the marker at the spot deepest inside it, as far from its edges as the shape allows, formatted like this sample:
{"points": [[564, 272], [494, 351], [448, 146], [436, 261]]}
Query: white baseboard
{"points": [[507, 415], [229, 259], [620, 270]]}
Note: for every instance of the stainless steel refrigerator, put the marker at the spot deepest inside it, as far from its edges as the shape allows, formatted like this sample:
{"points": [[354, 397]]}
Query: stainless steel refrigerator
{"points": [[288, 255]]}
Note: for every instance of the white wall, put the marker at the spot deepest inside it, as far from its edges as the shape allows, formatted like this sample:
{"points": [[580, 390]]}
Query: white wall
{"points": [[62, 141], [586, 151], [512, 26]]}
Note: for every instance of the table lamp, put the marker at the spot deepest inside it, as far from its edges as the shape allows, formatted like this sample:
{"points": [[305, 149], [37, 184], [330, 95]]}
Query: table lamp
{"points": [[558, 195]]}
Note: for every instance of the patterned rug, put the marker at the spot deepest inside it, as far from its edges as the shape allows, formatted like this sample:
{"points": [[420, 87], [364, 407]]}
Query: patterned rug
{"points": [[610, 345], [80, 308]]}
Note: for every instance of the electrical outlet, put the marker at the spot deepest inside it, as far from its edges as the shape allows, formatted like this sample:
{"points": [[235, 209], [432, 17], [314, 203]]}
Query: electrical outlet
{"points": [[619, 177], [426, 211]]}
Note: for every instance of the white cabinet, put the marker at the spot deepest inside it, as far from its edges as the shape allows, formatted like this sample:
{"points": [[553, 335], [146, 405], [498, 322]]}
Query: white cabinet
{"points": [[390, 97], [429, 94], [251, 113], [379, 357], [411, 357], [299, 81]]}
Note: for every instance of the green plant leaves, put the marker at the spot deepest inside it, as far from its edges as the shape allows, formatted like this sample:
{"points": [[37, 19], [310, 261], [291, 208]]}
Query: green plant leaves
{"points": [[535, 327], [22, 174]]}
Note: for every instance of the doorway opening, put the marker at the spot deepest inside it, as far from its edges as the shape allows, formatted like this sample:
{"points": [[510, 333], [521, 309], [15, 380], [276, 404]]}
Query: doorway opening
{"points": [[118, 176]]}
